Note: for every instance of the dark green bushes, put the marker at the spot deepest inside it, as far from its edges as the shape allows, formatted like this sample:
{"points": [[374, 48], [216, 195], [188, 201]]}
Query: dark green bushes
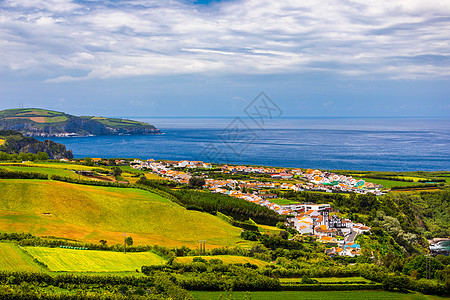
{"points": [[419, 265], [6, 174], [250, 235], [40, 156]]}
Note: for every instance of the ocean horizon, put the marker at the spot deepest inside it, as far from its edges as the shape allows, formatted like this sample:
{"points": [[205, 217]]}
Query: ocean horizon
{"points": [[352, 143]]}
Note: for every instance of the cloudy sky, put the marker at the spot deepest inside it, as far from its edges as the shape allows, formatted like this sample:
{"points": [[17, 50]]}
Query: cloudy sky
{"points": [[211, 58]]}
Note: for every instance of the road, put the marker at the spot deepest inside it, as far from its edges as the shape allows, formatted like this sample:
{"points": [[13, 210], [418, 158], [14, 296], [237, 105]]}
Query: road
{"points": [[351, 237]]}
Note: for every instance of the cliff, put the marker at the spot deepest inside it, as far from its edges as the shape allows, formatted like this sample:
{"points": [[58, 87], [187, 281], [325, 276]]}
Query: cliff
{"points": [[47, 123], [13, 142]]}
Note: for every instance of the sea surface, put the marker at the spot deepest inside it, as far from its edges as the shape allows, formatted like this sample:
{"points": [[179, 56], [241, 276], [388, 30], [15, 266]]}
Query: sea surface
{"points": [[385, 144], [443, 245]]}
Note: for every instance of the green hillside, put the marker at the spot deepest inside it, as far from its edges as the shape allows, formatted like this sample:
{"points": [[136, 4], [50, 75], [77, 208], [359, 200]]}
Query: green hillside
{"points": [[89, 213], [42, 122]]}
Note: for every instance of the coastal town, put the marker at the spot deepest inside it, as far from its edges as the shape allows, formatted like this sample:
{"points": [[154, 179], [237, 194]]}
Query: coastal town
{"points": [[312, 219]]}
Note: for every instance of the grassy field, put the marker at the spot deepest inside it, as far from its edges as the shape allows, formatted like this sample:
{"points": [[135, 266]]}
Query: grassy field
{"points": [[269, 229], [14, 259], [89, 213], [55, 165], [56, 119], [43, 170], [227, 259], [388, 183], [282, 201], [446, 177], [288, 295], [69, 260], [117, 122]]}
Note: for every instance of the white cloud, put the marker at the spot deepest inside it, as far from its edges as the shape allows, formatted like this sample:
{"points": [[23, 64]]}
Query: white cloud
{"points": [[63, 40]]}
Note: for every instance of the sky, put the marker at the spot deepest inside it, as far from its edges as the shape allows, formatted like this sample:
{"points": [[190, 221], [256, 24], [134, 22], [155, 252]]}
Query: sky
{"points": [[179, 58]]}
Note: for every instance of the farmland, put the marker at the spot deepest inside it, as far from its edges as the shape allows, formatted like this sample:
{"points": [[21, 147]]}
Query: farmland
{"points": [[288, 295], [14, 259], [67, 217], [227, 259], [40, 169], [269, 229], [330, 280], [41, 122], [388, 183], [283, 201], [69, 260], [89, 214]]}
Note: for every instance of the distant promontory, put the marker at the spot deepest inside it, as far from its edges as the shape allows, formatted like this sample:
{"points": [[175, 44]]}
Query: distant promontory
{"points": [[48, 123]]}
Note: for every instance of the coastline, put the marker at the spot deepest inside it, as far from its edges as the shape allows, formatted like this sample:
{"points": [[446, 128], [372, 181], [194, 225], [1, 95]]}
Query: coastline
{"points": [[437, 240]]}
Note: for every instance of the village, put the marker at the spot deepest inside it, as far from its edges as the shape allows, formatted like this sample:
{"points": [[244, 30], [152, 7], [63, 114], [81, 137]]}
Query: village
{"points": [[306, 218]]}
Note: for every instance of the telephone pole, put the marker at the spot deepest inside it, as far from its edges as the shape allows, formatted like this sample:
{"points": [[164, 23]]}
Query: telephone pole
{"points": [[202, 245], [428, 266], [124, 243]]}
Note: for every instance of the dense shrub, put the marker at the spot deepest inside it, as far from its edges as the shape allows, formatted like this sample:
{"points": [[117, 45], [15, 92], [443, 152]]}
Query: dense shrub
{"points": [[250, 235], [419, 264], [6, 174]]}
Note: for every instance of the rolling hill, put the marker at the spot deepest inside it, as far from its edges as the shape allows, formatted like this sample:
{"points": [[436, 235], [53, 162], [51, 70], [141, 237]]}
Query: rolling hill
{"points": [[48, 123], [90, 213]]}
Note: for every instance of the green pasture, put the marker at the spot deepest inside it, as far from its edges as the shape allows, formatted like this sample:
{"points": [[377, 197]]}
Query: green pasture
{"points": [[56, 119], [43, 170], [91, 213], [69, 260], [281, 201], [269, 229], [388, 183], [322, 295], [37, 112], [12, 258]]}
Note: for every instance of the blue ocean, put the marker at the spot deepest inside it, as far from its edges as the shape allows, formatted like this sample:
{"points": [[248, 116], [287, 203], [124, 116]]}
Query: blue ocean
{"points": [[385, 144]]}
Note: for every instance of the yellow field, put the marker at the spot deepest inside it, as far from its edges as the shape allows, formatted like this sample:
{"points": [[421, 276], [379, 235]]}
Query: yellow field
{"points": [[2, 141], [269, 229], [14, 259], [89, 213], [227, 259], [69, 260]]}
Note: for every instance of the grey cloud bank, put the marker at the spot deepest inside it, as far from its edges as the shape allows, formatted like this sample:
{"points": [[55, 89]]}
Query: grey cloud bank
{"points": [[60, 41]]}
